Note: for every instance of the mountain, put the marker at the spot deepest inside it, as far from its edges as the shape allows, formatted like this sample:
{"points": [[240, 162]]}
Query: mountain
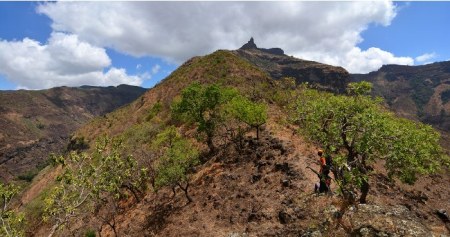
{"points": [[415, 92], [264, 188], [420, 93], [278, 65], [34, 124]]}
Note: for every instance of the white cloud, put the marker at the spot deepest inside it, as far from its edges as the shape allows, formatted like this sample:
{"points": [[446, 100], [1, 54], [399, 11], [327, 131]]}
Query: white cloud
{"points": [[63, 61], [156, 68], [425, 57], [322, 31]]}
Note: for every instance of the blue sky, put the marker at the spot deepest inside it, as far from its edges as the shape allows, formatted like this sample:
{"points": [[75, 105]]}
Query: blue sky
{"points": [[53, 44]]}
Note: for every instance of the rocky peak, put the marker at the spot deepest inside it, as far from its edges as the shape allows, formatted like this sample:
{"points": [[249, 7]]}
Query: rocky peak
{"points": [[251, 45]]}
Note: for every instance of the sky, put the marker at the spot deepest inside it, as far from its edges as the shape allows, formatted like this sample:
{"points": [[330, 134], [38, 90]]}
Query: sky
{"points": [[48, 44]]}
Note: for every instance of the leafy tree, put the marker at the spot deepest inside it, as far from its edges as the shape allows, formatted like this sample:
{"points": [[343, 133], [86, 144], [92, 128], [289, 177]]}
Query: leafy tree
{"points": [[357, 130], [102, 178], [251, 113], [202, 104], [177, 157], [11, 222]]}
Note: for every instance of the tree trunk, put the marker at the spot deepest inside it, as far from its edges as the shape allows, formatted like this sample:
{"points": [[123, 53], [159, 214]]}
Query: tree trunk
{"points": [[210, 143], [364, 191], [257, 132], [185, 189]]}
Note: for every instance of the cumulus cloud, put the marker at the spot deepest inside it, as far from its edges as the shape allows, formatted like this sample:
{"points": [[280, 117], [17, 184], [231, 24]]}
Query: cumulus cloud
{"points": [[322, 31], [425, 57], [63, 61]]}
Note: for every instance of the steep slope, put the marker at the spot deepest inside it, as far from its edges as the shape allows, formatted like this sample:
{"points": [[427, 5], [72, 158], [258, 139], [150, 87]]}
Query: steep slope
{"points": [[34, 124], [263, 190], [415, 92], [279, 65]]}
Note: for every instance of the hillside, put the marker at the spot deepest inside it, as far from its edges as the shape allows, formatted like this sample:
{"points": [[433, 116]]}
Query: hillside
{"points": [[415, 92], [263, 188], [34, 124]]}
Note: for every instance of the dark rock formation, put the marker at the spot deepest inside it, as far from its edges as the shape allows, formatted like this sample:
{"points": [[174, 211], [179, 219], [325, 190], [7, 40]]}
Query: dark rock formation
{"points": [[279, 65]]}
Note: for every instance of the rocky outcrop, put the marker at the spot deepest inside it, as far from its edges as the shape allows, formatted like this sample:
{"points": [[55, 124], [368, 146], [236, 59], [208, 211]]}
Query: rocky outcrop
{"points": [[279, 65], [251, 45], [377, 220]]}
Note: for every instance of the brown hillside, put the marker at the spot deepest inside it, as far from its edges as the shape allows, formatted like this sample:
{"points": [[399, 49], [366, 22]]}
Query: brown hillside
{"points": [[34, 124], [415, 92], [264, 190]]}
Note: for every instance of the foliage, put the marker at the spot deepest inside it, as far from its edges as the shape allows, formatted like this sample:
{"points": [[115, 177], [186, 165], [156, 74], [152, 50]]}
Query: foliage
{"points": [[201, 105], [445, 96], [357, 131], [11, 222], [29, 175], [360, 88], [251, 113], [77, 144], [177, 157], [103, 177], [156, 108], [138, 134], [285, 91]]}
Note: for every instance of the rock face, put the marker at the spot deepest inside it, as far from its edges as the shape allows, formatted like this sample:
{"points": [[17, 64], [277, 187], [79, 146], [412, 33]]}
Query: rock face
{"points": [[375, 220], [34, 124], [279, 65], [415, 92]]}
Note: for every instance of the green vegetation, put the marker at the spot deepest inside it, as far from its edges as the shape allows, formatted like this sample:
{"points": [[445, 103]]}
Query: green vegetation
{"points": [[156, 108], [77, 144], [202, 105], [445, 96], [357, 131], [11, 223], [422, 92], [177, 157], [29, 175], [252, 114], [102, 178]]}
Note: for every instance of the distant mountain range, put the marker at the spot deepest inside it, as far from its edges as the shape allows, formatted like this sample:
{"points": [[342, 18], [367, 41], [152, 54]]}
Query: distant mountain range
{"points": [[34, 124]]}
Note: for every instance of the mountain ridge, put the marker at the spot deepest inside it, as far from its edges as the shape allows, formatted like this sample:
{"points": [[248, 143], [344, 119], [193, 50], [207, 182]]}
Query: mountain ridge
{"points": [[36, 123]]}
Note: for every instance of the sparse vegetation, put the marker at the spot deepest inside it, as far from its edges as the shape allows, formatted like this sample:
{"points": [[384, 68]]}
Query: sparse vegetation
{"points": [[11, 222], [156, 108], [29, 175], [177, 157], [445, 96], [102, 178]]}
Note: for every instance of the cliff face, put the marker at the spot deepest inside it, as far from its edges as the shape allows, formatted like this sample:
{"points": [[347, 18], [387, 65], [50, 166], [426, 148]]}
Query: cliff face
{"points": [[278, 65], [33, 124], [415, 92]]}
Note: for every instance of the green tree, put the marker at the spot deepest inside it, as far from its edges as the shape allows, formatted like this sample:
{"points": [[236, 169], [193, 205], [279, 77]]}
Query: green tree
{"points": [[357, 130], [177, 157], [100, 179], [11, 222], [251, 113], [202, 105]]}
